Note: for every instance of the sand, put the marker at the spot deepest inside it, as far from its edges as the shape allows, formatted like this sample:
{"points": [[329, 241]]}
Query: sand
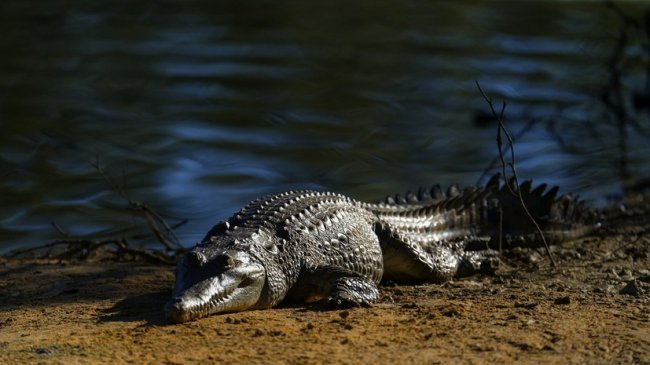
{"points": [[593, 308]]}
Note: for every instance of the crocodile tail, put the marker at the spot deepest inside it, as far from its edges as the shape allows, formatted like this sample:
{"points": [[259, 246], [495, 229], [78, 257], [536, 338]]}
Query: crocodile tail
{"points": [[559, 217], [492, 213]]}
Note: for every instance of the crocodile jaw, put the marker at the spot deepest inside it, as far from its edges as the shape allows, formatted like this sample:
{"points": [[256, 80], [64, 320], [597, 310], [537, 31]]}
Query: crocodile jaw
{"points": [[236, 289]]}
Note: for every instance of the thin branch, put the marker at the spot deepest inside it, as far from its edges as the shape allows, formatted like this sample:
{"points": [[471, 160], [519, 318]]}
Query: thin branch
{"points": [[115, 188], [161, 237], [501, 128], [154, 219], [531, 123], [59, 229], [69, 247], [151, 216], [83, 248], [628, 20]]}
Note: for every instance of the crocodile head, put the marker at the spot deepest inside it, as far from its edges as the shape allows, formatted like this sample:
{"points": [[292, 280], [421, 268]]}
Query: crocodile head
{"points": [[227, 272]]}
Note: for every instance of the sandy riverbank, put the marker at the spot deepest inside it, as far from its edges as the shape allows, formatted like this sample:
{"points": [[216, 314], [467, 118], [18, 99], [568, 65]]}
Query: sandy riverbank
{"points": [[110, 312]]}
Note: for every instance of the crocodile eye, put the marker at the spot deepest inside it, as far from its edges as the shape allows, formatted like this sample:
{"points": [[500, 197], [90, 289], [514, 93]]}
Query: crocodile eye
{"points": [[270, 247]]}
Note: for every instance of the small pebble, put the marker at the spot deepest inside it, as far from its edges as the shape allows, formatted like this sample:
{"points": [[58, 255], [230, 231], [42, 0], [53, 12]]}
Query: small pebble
{"points": [[632, 288], [43, 351], [562, 300]]}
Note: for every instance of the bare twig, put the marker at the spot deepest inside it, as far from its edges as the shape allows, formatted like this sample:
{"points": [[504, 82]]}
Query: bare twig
{"points": [[500, 229], [82, 248], [531, 123], [513, 168], [627, 244], [166, 236], [115, 188], [59, 229], [154, 219], [628, 20], [614, 94]]}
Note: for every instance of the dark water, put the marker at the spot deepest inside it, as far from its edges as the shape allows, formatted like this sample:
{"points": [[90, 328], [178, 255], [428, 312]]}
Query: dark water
{"points": [[198, 107]]}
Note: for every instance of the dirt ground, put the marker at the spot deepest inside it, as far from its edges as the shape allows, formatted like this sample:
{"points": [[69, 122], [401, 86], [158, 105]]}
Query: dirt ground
{"points": [[593, 308]]}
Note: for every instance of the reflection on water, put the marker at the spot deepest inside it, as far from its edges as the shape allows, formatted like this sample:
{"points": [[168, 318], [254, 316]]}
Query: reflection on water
{"points": [[197, 107]]}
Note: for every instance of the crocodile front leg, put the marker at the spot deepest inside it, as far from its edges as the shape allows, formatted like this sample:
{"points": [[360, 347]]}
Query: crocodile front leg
{"points": [[339, 286]]}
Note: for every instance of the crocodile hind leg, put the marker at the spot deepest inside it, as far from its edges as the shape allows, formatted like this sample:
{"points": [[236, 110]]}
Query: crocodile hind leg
{"points": [[339, 286], [408, 261]]}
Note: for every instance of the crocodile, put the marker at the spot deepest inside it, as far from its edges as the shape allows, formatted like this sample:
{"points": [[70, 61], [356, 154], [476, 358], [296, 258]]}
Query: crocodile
{"points": [[310, 246]]}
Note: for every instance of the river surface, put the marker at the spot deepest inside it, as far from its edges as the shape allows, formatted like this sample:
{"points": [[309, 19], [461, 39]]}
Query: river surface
{"points": [[198, 107]]}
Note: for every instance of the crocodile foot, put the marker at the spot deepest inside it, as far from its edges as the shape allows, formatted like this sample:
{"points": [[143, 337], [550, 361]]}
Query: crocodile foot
{"points": [[353, 292]]}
